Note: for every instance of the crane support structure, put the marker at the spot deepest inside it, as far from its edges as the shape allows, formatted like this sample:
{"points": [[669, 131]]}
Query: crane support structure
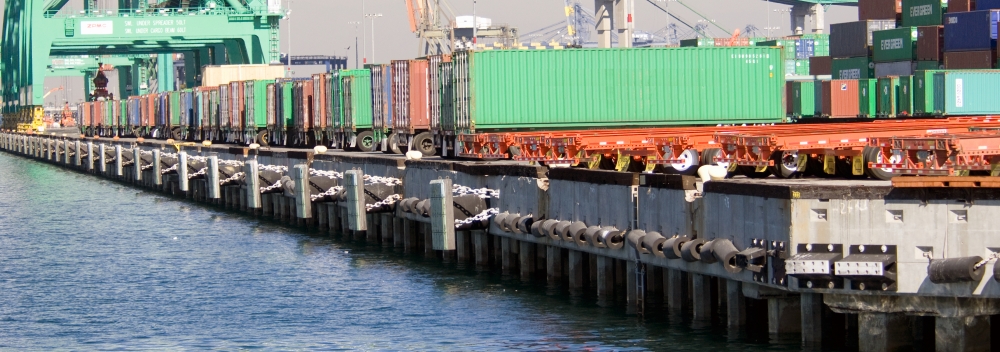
{"points": [[212, 31]]}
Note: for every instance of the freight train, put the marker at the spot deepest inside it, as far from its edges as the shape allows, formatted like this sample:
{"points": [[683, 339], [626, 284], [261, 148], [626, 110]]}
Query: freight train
{"points": [[425, 104]]}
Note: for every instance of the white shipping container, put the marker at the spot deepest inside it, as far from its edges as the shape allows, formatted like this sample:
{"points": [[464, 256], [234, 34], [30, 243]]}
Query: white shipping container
{"points": [[213, 76], [467, 22]]}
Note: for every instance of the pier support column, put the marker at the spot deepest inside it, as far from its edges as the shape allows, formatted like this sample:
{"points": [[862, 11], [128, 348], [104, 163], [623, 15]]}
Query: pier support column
{"points": [[964, 334], [333, 219], [90, 156], [251, 175], [303, 200], [157, 168], [878, 332], [409, 236], [812, 319], [103, 159], [322, 217], [463, 242], [632, 292], [119, 170], [576, 268], [553, 264], [481, 246], [78, 156], [528, 255], [137, 157], [212, 179], [784, 315], [605, 280], [736, 309], [345, 226], [677, 291], [386, 229], [701, 296], [428, 236], [397, 232], [374, 228], [508, 255], [182, 171]]}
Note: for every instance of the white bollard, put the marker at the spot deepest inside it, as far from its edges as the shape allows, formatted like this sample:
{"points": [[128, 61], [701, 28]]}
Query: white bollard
{"points": [[182, 171]]}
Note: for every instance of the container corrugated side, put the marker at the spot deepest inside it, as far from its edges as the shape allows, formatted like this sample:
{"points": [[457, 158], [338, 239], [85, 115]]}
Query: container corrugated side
{"points": [[840, 98], [867, 100], [923, 12], [559, 89], [419, 96], [401, 94], [820, 65], [896, 44], [878, 9], [967, 92], [803, 98], [901, 68], [381, 76], [970, 31], [986, 4], [888, 91], [853, 39], [961, 5], [218, 75], [930, 43], [853, 68], [969, 60], [357, 99], [447, 90], [905, 96]]}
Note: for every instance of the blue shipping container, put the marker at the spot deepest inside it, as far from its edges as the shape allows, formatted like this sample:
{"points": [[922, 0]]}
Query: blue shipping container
{"points": [[971, 31], [805, 48], [987, 5]]}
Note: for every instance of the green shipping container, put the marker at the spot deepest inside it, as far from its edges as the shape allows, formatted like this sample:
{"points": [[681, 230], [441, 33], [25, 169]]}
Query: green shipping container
{"points": [[801, 67], [959, 93], [803, 98], [697, 42], [905, 96], [867, 97], [790, 67], [923, 93], [357, 85], [888, 92], [893, 45], [787, 45], [255, 104], [923, 12], [335, 112], [853, 68], [929, 65], [614, 88]]}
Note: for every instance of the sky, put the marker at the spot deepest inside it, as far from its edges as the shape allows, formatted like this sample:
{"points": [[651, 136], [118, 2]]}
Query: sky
{"points": [[322, 27]]}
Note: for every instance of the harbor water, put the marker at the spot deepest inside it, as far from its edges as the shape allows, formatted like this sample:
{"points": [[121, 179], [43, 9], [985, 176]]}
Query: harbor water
{"points": [[91, 264]]}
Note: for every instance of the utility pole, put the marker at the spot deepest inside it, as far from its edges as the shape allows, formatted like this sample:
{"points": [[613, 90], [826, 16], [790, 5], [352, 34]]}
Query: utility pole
{"points": [[289, 16], [475, 25], [357, 61], [373, 16]]}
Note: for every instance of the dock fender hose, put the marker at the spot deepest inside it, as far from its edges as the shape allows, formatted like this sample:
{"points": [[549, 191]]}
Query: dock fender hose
{"points": [[510, 222], [499, 220], [536, 229], [653, 243], [611, 237], [562, 230], [690, 250], [589, 237], [635, 239], [406, 205], [706, 252], [424, 207], [575, 231], [523, 224], [549, 229], [956, 270], [725, 253], [672, 247]]}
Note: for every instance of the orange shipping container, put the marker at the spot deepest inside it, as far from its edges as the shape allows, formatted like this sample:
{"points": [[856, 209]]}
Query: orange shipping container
{"points": [[410, 94], [840, 98], [961, 5], [879, 9], [319, 100]]}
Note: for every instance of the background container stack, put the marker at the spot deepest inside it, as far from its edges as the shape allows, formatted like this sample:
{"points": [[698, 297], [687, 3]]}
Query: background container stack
{"points": [[850, 47], [799, 50], [970, 38]]}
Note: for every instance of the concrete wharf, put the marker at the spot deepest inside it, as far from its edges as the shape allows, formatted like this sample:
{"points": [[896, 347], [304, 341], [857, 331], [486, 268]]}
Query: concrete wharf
{"points": [[833, 260]]}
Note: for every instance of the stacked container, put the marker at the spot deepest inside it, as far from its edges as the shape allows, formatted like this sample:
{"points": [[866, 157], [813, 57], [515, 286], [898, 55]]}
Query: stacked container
{"points": [[840, 98], [382, 101], [894, 51], [850, 47], [879, 9], [970, 39], [867, 98], [966, 92]]}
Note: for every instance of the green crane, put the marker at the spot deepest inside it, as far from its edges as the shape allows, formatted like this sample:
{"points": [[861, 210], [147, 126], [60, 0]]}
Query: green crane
{"points": [[206, 31]]}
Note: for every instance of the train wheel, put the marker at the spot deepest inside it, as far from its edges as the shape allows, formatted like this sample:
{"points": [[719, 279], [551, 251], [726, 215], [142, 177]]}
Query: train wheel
{"points": [[875, 155], [787, 163], [424, 143], [263, 137], [366, 141], [689, 166]]}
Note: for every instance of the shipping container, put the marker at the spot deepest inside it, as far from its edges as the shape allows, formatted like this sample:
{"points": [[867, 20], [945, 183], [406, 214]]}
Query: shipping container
{"points": [[867, 98], [697, 42], [982, 5], [840, 98], [970, 60], [853, 68], [557, 89], [739, 41], [970, 31], [805, 48], [901, 68], [896, 44], [410, 90], [879, 9], [382, 101], [820, 65], [358, 134], [255, 124], [929, 65], [958, 93], [214, 76], [801, 67], [434, 88], [803, 98], [335, 112], [788, 47], [853, 39], [905, 96], [923, 93], [790, 67], [923, 12], [818, 93], [320, 105], [888, 91], [961, 5], [930, 43]]}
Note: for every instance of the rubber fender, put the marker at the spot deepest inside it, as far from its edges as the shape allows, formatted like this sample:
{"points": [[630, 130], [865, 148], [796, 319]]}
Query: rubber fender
{"points": [[227, 171], [167, 162], [589, 237], [378, 192], [996, 272], [653, 243], [406, 205], [126, 155], [690, 250], [549, 229], [672, 246], [525, 223], [510, 223], [194, 165], [499, 220], [635, 239], [575, 231], [612, 238], [424, 207], [955, 270], [536, 229], [706, 252], [725, 252], [561, 229]]}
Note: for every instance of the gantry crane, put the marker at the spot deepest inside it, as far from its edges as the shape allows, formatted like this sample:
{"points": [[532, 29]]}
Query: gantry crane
{"points": [[433, 21]]}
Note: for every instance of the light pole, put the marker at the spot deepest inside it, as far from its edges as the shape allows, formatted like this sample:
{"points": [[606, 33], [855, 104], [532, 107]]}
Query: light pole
{"points": [[364, 34], [373, 16], [475, 25], [666, 6], [782, 11], [357, 63], [288, 15]]}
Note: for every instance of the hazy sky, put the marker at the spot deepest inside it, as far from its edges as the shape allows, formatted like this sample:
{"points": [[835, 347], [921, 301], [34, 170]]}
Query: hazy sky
{"points": [[321, 27]]}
